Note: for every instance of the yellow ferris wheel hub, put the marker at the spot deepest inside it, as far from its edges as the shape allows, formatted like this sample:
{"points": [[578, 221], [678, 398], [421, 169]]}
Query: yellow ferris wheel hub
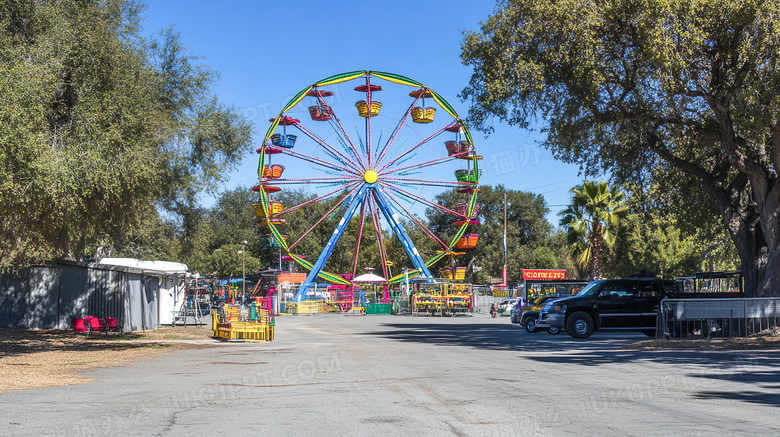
{"points": [[370, 176]]}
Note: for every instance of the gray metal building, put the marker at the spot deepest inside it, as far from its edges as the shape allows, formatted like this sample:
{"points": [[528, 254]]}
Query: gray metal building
{"points": [[46, 297]]}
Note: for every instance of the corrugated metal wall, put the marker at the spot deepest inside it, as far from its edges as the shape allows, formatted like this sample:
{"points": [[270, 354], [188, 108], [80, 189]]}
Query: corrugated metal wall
{"points": [[49, 296], [27, 299]]}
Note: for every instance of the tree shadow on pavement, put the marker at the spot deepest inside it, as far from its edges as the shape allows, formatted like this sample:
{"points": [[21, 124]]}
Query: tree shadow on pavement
{"points": [[761, 387], [490, 336], [759, 371]]}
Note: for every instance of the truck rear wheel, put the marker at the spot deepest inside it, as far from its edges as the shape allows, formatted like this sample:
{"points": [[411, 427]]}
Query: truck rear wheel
{"points": [[579, 325]]}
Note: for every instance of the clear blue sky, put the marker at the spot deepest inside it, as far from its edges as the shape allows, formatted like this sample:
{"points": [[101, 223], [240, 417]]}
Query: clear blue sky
{"points": [[267, 51]]}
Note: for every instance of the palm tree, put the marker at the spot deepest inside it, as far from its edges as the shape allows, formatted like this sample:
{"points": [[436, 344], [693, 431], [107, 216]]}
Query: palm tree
{"points": [[592, 219]]}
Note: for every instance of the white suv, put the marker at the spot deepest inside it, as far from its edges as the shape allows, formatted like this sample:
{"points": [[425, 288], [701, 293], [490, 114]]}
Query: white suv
{"points": [[506, 306]]}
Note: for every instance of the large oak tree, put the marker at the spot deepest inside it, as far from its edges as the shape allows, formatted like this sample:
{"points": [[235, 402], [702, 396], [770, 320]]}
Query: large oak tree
{"points": [[639, 88], [101, 127]]}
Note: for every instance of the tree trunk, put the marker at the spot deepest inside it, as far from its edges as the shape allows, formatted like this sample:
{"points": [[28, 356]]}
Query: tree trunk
{"points": [[750, 202], [596, 246], [469, 269], [760, 267], [760, 263]]}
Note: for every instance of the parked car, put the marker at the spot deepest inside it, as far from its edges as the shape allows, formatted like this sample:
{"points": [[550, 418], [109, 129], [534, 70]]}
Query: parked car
{"points": [[627, 304], [515, 314], [529, 314], [505, 307]]}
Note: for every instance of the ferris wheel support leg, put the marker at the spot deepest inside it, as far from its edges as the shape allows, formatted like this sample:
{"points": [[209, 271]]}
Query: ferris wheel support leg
{"points": [[400, 232], [311, 278]]}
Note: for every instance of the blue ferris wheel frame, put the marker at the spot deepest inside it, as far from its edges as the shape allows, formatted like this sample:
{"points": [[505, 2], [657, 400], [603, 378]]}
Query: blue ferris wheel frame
{"points": [[355, 204]]}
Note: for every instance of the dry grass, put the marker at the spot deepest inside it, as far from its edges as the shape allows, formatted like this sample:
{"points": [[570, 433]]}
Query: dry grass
{"points": [[202, 332], [767, 339], [51, 358]]}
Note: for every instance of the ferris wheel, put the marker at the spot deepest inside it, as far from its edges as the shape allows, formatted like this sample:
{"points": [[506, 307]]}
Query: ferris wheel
{"points": [[338, 143]]}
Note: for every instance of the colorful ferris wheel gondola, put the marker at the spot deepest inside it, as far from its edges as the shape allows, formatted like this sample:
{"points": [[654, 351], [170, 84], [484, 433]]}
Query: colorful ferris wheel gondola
{"points": [[369, 175], [422, 114], [320, 111], [284, 140]]}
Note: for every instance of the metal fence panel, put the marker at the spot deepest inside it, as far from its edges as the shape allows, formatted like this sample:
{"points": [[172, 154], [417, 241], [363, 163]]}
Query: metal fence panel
{"points": [[707, 318], [482, 303]]}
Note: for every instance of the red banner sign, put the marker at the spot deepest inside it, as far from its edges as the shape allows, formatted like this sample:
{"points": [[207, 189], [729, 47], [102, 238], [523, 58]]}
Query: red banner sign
{"points": [[549, 275]]}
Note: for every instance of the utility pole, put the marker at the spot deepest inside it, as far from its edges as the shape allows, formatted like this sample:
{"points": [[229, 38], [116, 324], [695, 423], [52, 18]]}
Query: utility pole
{"points": [[505, 282]]}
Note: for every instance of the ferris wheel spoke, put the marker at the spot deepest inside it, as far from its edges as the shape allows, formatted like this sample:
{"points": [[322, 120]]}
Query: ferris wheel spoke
{"points": [[419, 223], [338, 204], [360, 237], [425, 164], [427, 183], [318, 161], [413, 148], [341, 131], [368, 121], [298, 181], [397, 226], [332, 151], [338, 129], [380, 240], [397, 129], [425, 201], [323, 197]]}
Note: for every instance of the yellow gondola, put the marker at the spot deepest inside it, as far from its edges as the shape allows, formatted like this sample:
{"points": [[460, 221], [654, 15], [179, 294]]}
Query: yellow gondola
{"points": [[423, 115], [362, 108]]}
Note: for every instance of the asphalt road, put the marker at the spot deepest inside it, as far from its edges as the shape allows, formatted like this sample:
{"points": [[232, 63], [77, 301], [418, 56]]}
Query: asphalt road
{"points": [[386, 375]]}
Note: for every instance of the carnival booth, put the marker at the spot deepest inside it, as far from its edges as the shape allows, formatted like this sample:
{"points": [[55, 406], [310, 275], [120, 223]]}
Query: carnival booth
{"points": [[374, 293], [542, 282], [441, 298]]}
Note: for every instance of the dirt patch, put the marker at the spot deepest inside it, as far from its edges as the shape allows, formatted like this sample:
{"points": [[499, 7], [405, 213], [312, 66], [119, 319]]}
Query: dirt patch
{"points": [[52, 358], [202, 332], [767, 339]]}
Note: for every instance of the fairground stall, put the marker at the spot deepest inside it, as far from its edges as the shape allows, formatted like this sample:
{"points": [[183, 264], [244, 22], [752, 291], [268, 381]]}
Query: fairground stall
{"points": [[710, 284], [539, 282], [243, 323], [441, 298]]}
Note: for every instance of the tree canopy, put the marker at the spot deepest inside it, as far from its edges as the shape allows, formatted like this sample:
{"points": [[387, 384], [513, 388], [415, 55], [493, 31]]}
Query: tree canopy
{"points": [[101, 128], [644, 89]]}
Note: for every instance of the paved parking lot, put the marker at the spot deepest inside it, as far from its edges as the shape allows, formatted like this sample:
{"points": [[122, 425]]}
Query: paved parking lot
{"points": [[386, 375]]}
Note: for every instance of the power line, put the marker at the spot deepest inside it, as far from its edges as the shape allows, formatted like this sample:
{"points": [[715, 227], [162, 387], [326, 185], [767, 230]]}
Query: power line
{"points": [[554, 183]]}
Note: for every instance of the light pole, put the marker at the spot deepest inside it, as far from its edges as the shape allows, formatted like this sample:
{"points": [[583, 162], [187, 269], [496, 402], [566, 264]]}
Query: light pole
{"points": [[243, 272]]}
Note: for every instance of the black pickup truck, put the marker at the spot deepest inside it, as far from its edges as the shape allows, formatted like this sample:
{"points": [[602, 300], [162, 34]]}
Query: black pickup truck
{"points": [[629, 304]]}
